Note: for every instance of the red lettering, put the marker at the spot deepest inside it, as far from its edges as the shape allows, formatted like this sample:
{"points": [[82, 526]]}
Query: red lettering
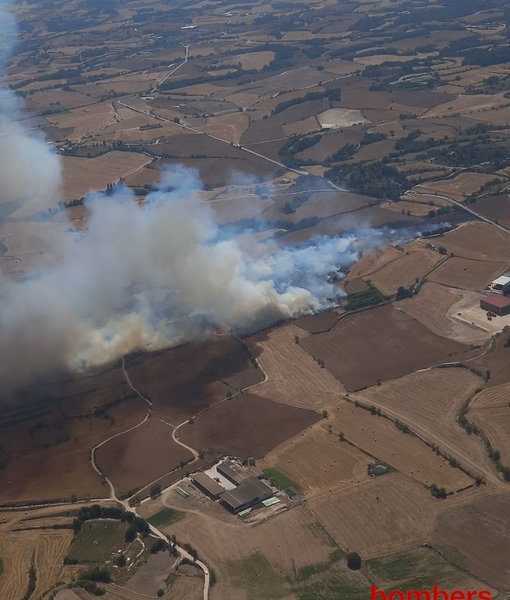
{"points": [[471, 594], [397, 594], [375, 593], [439, 594], [457, 595], [484, 595]]}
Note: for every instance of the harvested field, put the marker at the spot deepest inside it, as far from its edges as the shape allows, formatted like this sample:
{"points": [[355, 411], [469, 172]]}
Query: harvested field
{"points": [[459, 187], [404, 271], [383, 515], [188, 586], [372, 261], [330, 143], [246, 426], [379, 344], [229, 127], [467, 105], [183, 381], [496, 208], [318, 461], [16, 551], [292, 376], [84, 175], [336, 118], [140, 456], [408, 454], [290, 540], [373, 216], [429, 402], [467, 274], [479, 241], [327, 204], [477, 537], [435, 307], [86, 121], [318, 323], [150, 577], [49, 553], [490, 411], [254, 60]]}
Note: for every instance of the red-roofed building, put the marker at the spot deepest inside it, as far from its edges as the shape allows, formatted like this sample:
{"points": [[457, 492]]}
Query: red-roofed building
{"points": [[496, 303]]}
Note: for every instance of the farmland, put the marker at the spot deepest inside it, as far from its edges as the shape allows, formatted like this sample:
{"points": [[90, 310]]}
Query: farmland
{"points": [[411, 347], [359, 150]]}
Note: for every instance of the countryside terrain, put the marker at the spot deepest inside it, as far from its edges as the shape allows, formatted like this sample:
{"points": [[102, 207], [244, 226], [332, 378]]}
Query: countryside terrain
{"points": [[384, 120]]}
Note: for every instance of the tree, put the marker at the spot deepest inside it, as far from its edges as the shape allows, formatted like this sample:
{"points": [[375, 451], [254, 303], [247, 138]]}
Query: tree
{"points": [[130, 534], [155, 491], [161, 593], [354, 561], [121, 560]]}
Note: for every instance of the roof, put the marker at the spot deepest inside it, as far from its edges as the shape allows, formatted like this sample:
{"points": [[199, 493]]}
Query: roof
{"points": [[496, 300], [503, 280], [208, 483], [251, 490], [237, 473]]}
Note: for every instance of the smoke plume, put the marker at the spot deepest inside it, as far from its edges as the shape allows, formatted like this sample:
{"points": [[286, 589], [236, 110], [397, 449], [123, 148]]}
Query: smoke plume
{"points": [[29, 172], [139, 277]]}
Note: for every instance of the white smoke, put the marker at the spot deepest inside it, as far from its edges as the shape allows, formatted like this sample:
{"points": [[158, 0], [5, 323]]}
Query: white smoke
{"points": [[29, 171], [139, 277], [152, 276]]}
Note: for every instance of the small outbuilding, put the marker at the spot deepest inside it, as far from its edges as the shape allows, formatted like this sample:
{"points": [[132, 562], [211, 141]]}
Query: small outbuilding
{"points": [[501, 284], [496, 303]]}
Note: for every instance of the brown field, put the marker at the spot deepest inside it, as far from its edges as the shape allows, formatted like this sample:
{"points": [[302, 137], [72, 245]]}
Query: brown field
{"points": [[490, 411], [459, 187], [186, 586], [429, 403], [466, 274], [54, 462], [374, 260], [247, 206], [405, 452], [479, 241], [330, 143], [140, 456], [290, 540], [318, 323], [377, 517], [404, 271], [229, 127], [16, 551], [495, 361], [84, 175], [254, 60], [246, 426], [467, 105], [393, 345], [318, 461], [308, 125], [435, 307], [496, 208], [373, 216], [292, 376], [86, 121], [477, 536], [416, 209], [183, 381]]}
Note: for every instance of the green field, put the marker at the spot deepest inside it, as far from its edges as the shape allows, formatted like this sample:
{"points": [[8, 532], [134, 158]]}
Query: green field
{"points": [[97, 541], [256, 575], [420, 568], [166, 516], [333, 583], [278, 479]]}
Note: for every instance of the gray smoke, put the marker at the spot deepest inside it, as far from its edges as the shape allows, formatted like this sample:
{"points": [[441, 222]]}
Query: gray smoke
{"points": [[29, 171], [153, 276], [139, 277]]}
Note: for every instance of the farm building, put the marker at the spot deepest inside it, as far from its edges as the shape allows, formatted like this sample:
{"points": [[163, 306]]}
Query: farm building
{"points": [[249, 492], [207, 485], [501, 284], [237, 474], [496, 303]]}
